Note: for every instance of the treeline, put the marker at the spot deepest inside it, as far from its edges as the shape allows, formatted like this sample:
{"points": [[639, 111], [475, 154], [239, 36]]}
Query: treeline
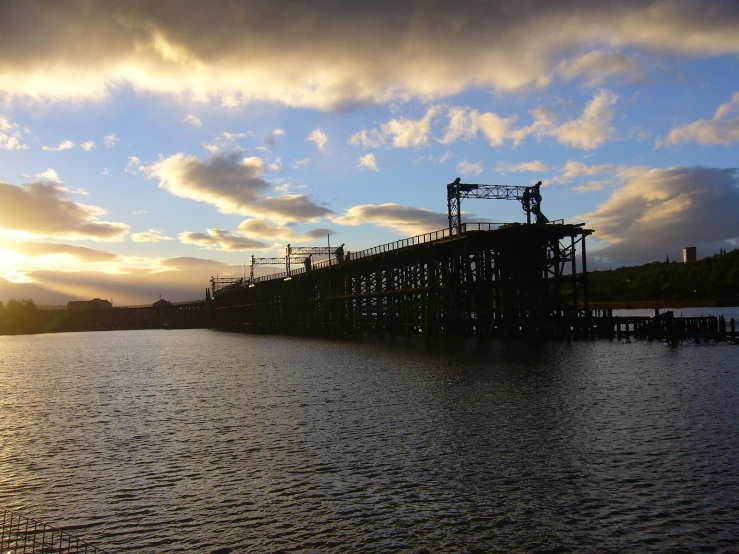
{"points": [[19, 317], [714, 278]]}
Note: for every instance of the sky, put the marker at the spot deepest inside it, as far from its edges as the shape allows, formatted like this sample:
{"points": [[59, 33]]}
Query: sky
{"points": [[146, 146]]}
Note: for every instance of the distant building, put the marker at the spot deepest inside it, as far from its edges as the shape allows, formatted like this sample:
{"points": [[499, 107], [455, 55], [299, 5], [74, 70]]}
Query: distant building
{"points": [[689, 254], [161, 303], [88, 305]]}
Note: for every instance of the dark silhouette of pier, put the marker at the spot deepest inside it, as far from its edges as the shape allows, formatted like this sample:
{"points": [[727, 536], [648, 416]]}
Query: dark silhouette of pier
{"points": [[469, 280]]}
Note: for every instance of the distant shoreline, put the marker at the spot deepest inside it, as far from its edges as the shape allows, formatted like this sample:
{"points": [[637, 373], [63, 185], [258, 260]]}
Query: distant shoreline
{"points": [[660, 304]]}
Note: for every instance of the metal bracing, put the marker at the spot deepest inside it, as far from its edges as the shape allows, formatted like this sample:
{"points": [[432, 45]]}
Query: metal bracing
{"points": [[529, 196], [263, 261], [506, 281]]}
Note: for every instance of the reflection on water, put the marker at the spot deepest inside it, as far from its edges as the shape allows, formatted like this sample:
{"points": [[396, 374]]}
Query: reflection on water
{"points": [[190, 441]]}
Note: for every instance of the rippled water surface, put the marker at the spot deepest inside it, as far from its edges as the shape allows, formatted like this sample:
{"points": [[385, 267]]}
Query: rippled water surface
{"points": [[193, 441]]}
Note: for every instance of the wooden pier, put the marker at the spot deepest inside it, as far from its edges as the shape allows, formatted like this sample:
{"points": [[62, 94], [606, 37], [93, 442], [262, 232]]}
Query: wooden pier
{"points": [[480, 280]]}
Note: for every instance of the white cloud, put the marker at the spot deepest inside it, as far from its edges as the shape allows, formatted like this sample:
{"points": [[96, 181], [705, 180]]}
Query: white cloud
{"points": [[105, 171], [110, 141], [301, 164], [445, 157], [49, 175], [403, 219], [718, 130], [232, 183], [594, 127], [410, 133], [133, 167], [536, 165], [590, 186], [276, 165], [266, 231], [218, 239], [64, 145], [152, 235], [319, 138], [271, 138], [88, 145], [192, 120], [368, 161], [224, 142], [573, 169], [469, 168], [368, 139], [10, 135], [466, 123], [591, 130], [597, 67]]}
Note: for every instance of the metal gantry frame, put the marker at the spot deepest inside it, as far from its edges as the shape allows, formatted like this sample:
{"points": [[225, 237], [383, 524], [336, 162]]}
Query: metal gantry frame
{"points": [[529, 196]]}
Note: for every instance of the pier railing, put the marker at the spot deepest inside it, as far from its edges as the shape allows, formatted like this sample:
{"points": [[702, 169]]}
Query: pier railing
{"points": [[22, 535], [425, 238]]}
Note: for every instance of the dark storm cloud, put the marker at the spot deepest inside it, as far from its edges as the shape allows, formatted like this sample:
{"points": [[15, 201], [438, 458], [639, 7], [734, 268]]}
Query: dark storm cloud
{"points": [[662, 210]]}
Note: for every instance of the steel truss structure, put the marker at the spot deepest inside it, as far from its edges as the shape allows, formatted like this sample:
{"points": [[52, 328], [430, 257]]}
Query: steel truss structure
{"points": [[529, 197], [473, 280]]}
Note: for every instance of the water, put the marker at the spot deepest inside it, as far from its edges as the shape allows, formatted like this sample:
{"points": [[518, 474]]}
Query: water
{"points": [[193, 441]]}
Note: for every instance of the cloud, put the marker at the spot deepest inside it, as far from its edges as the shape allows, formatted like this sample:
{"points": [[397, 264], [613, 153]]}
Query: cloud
{"points": [[466, 123], [40, 249], [319, 138], [88, 145], [49, 175], [591, 130], [445, 157], [410, 133], [110, 141], [224, 142], [367, 138], [263, 229], [217, 239], [594, 127], [590, 186], [64, 145], [152, 235], [301, 164], [536, 165], [660, 210], [271, 138], [368, 161], [233, 54], [598, 66], [10, 136], [468, 168], [132, 283], [276, 165], [718, 130], [44, 209], [573, 169], [233, 184], [405, 220], [134, 166], [192, 120]]}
